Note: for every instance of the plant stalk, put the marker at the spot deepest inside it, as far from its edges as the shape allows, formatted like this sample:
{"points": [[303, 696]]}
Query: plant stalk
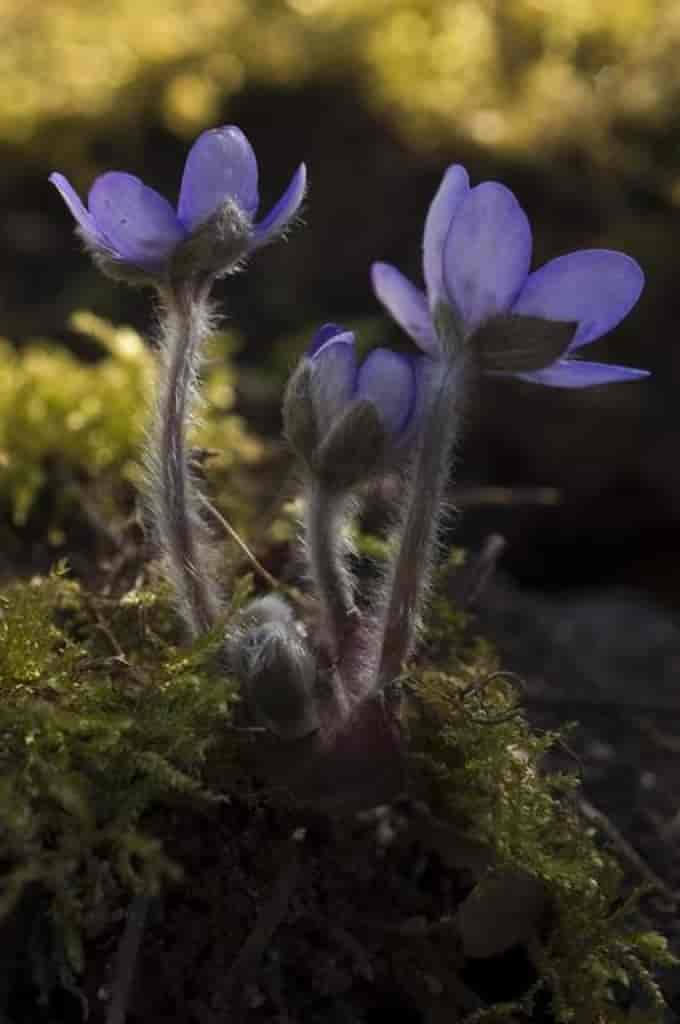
{"points": [[173, 495], [410, 572]]}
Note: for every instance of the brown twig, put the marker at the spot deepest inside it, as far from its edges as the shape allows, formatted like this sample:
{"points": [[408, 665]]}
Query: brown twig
{"points": [[471, 580], [119, 654], [246, 964], [480, 686], [487, 494], [228, 530], [624, 848]]}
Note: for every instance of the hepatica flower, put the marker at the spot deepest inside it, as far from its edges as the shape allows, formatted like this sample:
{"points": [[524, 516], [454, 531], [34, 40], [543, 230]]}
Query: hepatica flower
{"points": [[476, 264], [130, 223], [387, 380], [347, 421]]}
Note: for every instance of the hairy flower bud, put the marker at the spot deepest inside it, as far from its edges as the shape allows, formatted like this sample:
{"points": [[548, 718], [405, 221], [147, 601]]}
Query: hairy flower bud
{"points": [[299, 416], [353, 448], [344, 420], [277, 670]]}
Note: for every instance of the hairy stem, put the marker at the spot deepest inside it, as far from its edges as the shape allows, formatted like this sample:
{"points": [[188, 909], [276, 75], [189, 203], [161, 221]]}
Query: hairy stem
{"points": [[327, 551], [417, 533], [173, 495]]}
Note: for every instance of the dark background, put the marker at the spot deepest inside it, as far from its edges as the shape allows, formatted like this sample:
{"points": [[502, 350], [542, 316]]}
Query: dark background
{"points": [[574, 110]]}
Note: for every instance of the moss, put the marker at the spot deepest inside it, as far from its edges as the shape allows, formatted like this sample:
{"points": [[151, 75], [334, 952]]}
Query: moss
{"points": [[102, 718], [79, 426], [482, 766], [105, 720]]}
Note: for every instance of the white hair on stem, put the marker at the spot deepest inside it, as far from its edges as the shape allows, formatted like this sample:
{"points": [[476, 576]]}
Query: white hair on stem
{"points": [[408, 577], [172, 492]]}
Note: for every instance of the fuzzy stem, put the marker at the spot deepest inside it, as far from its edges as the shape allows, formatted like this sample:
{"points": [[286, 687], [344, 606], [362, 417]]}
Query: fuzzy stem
{"points": [[173, 496], [417, 533], [327, 550]]}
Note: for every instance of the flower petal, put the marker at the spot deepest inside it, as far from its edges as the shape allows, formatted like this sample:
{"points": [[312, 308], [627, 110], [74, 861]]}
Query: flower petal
{"points": [[283, 211], [334, 375], [596, 287], [406, 304], [221, 165], [388, 380], [575, 373], [428, 376], [324, 334], [451, 193], [77, 208], [139, 223], [487, 253]]}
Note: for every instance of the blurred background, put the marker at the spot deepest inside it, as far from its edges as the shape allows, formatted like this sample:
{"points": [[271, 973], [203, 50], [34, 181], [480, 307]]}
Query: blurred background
{"points": [[574, 106]]}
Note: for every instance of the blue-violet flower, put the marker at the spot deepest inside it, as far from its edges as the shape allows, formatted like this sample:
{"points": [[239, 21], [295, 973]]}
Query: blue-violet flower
{"points": [[476, 261], [388, 380], [132, 224], [350, 422]]}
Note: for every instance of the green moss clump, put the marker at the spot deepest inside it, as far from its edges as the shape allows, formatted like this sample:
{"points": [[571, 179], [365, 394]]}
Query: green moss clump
{"points": [[107, 725], [482, 766], [94, 734], [80, 426]]}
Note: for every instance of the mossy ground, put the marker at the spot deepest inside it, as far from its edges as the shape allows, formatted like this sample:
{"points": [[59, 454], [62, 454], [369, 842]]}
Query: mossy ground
{"points": [[122, 779], [124, 797]]}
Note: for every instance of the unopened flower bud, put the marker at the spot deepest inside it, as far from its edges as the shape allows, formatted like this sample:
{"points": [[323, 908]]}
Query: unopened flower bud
{"points": [[299, 417], [347, 421], [277, 670], [353, 449]]}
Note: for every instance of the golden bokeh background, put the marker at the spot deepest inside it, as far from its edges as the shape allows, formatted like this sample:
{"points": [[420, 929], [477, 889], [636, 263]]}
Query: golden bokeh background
{"points": [[506, 73]]}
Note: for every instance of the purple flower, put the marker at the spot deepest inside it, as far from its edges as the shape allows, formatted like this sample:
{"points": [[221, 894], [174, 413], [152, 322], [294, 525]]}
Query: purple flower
{"points": [[390, 381], [476, 260], [130, 223]]}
